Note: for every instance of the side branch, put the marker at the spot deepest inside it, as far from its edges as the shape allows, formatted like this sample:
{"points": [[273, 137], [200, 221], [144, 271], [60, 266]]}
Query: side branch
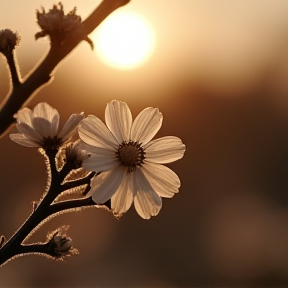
{"points": [[103, 10], [41, 75], [13, 66]]}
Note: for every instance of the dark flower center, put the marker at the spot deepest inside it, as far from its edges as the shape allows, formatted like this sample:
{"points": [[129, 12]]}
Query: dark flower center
{"points": [[51, 143], [131, 154]]}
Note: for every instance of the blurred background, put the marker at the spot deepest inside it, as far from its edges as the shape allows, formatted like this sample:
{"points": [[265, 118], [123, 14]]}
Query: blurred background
{"points": [[218, 72]]}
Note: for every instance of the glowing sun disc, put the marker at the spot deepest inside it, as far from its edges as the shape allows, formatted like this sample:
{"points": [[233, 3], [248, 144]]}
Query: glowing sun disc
{"points": [[125, 40]]}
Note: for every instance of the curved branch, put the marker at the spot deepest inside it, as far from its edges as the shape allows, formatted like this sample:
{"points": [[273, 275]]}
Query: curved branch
{"points": [[41, 75], [103, 10]]}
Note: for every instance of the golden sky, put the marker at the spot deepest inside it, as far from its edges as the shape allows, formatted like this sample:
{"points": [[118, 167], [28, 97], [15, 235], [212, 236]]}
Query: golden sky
{"points": [[219, 75], [227, 44]]}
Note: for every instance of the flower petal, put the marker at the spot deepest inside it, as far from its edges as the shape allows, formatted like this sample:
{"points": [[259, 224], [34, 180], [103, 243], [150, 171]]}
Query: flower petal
{"points": [[100, 163], [164, 150], [44, 110], [22, 140], [49, 115], [119, 120], [70, 126], [147, 203], [97, 150], [28, 132], [163, 180], [146, 125], [106, 184], [95, 133], [44, 127], [121, 201], [25, 115]]}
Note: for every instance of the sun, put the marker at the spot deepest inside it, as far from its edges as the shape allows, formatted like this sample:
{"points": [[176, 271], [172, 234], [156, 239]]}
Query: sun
{"points": [[125, 40]]}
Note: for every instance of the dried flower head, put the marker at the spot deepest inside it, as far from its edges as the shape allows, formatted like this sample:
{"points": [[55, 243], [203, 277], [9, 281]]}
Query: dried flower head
{"points": [[60, 245], [8, 41], [60, 27]]}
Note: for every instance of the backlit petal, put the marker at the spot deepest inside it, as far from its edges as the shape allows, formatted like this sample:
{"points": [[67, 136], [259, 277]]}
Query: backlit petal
{"points": [[99, 163], [94, 132], [146, 201], [20, 139], [44, 110], [121, 201], [28, 132], [54, 125], [163, 180], [46, 120], [106, 184], [70, 126], [119, 120], [25, 116], [164, 150], [146, 125], [43, 127], [97, 150]]}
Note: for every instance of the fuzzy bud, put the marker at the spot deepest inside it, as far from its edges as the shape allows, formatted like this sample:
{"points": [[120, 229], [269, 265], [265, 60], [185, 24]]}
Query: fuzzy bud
{"points": [[60, 245], [76, 154], [8, 41], [60, 27]]}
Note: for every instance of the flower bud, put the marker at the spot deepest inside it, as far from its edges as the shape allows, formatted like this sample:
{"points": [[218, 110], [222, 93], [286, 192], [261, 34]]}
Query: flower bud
{"points": [[60, 27], [75, 153], [8, 41], [60, 245]]}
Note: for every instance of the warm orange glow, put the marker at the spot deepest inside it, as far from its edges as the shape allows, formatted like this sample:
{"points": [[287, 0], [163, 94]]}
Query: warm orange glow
{"points": [[125, 40]]}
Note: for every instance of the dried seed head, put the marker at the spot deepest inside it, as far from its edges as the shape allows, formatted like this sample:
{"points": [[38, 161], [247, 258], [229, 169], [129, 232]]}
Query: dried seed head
{"points": [[8, 41], [60, 27], [60, 245]]}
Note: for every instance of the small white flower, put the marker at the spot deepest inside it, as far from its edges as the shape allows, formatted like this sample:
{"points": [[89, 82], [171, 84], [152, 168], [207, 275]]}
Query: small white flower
{"points": [[131, 164], [39, 128]]}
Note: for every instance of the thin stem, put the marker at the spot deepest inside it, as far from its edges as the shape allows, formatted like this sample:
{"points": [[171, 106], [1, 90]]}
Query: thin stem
{"points": [[14, 247], [76, 183], [70, 204], [45, 209], [13, 67], [42, 248]]}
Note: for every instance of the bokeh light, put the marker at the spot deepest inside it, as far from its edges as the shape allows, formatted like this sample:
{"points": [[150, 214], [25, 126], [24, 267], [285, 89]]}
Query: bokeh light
{"points": [[124, 40]]}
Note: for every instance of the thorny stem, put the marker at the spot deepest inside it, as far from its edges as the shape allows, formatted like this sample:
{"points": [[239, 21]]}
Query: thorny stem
{"points": [[42, 74], [44, 210]]}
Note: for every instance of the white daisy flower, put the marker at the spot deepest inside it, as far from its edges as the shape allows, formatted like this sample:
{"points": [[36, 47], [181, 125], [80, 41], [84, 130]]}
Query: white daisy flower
{"points": [[131, 164], [39, 128]]}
